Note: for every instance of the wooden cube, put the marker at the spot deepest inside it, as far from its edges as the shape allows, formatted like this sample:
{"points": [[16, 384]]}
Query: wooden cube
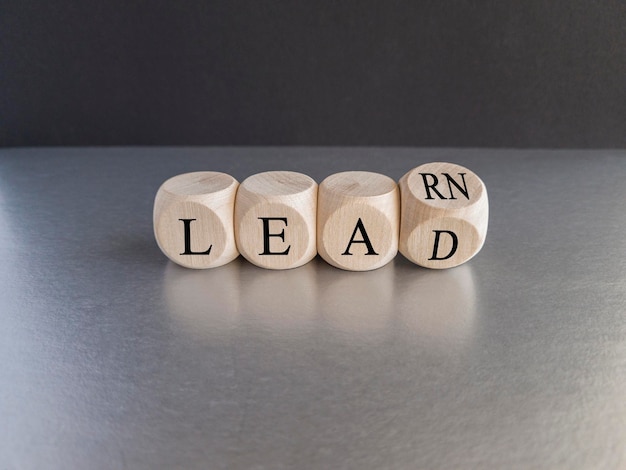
{"points": [[358, 220], [275, 218], [193, 219], [445, 212]]}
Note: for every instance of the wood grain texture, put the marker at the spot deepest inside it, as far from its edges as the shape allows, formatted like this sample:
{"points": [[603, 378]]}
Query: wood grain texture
{"points": [[358, 220], [275, 219], [193, 219], [445, 213]]}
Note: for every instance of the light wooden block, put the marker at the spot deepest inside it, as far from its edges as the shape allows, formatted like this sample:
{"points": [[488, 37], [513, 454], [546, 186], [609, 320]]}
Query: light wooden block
{"points": [[193, 219], [358, 220], [445, 213], [275, 218]]}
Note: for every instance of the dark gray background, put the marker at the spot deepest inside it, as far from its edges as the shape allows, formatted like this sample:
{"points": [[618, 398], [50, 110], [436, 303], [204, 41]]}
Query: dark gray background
{"points": [[431, 73]]}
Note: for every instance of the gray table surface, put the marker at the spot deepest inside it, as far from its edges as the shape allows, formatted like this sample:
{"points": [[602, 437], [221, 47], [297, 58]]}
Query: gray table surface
{"points": [[113, 357]]}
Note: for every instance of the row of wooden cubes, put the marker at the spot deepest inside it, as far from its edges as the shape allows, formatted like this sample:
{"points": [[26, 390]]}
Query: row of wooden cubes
{"points": [[436, 216]]}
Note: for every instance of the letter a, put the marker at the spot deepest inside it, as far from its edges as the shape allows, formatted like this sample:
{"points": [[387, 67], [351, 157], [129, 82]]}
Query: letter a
{"points": [[187, 224], [455, 245], [366, 240]]}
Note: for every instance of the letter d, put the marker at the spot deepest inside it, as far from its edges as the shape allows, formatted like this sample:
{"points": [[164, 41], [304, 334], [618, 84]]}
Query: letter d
{"points": [[455, 245]]}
